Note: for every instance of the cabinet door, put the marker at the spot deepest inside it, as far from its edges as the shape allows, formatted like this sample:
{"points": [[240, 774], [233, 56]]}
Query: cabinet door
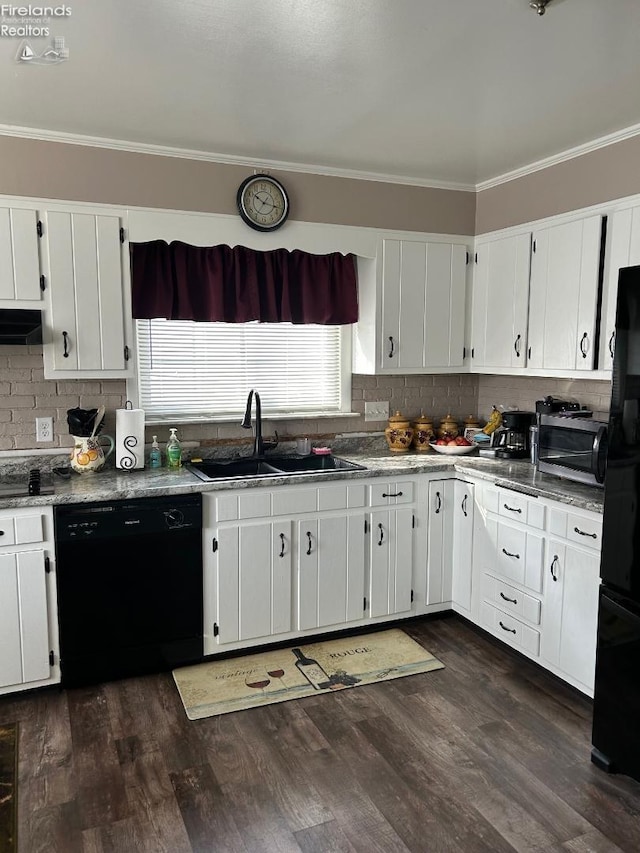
{"points": [[570, 612], [501, 280], [85, 328], [19, 256], [331, 570], [423, 304], [462, 557], [24, 631], [564, 294], [252, 568], [390, 561], [439, 542], [623, 250]]}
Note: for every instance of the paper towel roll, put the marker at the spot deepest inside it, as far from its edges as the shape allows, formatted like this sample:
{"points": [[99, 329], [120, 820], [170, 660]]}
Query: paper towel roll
{"points": [[129, 438]]}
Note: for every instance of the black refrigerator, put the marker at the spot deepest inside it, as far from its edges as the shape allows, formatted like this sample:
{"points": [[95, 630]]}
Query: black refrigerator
{"points": [[616, 703]]}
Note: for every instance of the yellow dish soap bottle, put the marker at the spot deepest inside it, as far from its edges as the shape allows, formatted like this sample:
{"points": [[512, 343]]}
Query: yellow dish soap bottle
{"points": [[174, 451]]}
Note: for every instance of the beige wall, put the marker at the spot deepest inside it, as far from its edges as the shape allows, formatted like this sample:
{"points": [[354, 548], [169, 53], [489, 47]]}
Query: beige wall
{"points": [[58, 170], [521, 392], [609, 173]]}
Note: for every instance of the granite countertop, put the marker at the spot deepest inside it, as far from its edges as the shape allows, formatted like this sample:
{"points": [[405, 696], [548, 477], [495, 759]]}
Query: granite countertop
{"points": [[111, 484]]}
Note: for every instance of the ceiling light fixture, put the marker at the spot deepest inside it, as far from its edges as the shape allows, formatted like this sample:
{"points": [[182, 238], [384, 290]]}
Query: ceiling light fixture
{"points": [[539, 5]]}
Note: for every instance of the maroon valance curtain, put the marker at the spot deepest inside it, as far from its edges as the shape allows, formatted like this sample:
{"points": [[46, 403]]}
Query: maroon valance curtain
{"points": [[178, 281]]}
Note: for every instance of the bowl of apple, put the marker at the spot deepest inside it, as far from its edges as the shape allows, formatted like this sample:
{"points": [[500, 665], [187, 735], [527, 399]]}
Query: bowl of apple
{"points": [[453, 446]]}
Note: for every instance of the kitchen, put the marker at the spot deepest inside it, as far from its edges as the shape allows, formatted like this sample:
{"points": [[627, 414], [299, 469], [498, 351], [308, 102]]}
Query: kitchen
{"points": [[306, 773]]}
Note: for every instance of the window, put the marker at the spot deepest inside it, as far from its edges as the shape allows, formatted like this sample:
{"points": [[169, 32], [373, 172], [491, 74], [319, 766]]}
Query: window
{"points": [[204, 371]]}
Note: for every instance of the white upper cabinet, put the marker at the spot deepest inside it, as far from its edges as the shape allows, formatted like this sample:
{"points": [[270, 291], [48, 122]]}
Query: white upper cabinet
{"points": [[500, 302], [87, 314], [19, 258], [413, 319], [564, 295], [623, 250]]}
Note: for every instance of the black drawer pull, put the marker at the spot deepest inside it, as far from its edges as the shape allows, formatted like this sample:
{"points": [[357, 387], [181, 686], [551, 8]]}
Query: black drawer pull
{"points": [[65, 341], [391, 347], [438, 502], [584, 345], [1, 532], [282, 541], [611, 340], [463, 506], [504, 598], [309, 538], [504, 628], [509, 554], [584, 533], [392, 494], [381, 540], [512, 508], [554, 562]]}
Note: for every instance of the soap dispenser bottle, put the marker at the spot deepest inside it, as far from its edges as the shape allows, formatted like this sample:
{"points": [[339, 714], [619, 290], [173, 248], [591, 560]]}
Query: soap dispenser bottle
{"points": [[174, 450], [155, 455]]}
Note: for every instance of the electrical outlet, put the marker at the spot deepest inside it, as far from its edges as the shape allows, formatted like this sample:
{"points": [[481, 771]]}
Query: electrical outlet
{"points": [[378, 410], [44, 429]]}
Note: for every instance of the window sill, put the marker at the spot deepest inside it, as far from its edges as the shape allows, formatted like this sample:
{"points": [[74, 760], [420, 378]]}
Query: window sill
{"points": [[162, 420]]}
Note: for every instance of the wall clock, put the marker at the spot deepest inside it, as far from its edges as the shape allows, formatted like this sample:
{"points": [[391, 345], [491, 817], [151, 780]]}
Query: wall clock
{"points": [[263, 202]]}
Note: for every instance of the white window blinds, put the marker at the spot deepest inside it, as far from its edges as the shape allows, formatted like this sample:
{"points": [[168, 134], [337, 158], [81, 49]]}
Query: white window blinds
{"points": [[202, 370]]}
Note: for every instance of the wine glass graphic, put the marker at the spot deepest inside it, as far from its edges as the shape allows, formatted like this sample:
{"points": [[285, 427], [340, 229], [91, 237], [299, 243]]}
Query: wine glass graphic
{"points": [[257, 683], [279, 674]]}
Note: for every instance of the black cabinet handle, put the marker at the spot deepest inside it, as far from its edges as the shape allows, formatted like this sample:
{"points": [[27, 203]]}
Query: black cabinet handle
{"points": [[392, 494], [504, 628], [391, 347], [611, 340], [509, 554], [554, 563], [583, 348], [381, 539], [438, 502], [516, 346], [584, 533], [65, 341], [463, 505], [1, 532], [309, 538], [504, 598], [282, 543], [512, 508]]}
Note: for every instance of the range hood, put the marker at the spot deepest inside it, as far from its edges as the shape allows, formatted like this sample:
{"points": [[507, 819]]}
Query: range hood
{"points": [[20, 326]]}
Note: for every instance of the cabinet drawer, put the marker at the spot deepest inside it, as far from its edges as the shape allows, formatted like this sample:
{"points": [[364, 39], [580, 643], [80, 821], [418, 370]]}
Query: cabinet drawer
{"points": [[515, 506], [512, 600], [512, 631], [517, 554], [21, 529], [383, 494], [584, 529]]}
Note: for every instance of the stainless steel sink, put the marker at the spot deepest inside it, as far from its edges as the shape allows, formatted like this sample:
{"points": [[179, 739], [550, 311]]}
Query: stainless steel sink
{"points": [[272, 466]]}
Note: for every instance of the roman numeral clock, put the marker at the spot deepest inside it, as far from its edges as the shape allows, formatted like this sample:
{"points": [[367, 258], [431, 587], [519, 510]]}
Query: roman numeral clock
{"points": [[263, 202]]}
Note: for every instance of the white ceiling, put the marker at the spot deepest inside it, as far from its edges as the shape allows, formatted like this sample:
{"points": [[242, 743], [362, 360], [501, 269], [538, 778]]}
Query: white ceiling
{"points": [[435, 90]]}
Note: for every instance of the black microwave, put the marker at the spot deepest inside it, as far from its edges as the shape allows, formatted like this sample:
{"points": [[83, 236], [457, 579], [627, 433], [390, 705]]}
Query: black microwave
{"points": [[574, 448]]}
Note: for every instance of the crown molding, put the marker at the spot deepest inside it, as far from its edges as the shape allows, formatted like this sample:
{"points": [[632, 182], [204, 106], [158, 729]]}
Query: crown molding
{"points": [[562, 157], [226, 159]]}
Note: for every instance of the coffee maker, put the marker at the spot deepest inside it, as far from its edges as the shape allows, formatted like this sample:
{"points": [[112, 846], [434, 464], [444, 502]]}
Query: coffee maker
{"points": [[511, 440]]}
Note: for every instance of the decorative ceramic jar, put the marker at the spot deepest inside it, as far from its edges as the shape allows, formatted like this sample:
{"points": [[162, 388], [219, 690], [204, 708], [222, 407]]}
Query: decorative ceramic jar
{"points": [[423, 433], [448, 427], [471, 422], [399, 433]]}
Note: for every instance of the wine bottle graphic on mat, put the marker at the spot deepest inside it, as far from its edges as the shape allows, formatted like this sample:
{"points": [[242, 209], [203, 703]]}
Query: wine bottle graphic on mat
{"points": [[311, 669]]}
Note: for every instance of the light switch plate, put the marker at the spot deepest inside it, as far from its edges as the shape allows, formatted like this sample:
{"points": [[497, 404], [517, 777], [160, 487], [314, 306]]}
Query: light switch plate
{"points": [[44, 429], [377, 410]]}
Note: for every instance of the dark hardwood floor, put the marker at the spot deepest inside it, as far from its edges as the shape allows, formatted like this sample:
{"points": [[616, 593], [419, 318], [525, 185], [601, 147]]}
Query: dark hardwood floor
{"points": [[489, 754]]}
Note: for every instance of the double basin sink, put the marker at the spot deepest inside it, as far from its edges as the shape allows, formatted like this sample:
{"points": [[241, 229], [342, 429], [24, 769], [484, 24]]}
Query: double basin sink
{"points": [[271, 466]]}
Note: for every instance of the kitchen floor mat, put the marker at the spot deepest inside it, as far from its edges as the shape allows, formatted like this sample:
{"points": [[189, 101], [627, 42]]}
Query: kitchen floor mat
{"points": [[8, 783], [235, 684]]}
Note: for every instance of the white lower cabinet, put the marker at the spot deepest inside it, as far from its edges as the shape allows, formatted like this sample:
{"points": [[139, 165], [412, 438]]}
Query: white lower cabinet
{"points": [[439, 543], [285, 561], [29, 654], [462, 556], [572, 578]]}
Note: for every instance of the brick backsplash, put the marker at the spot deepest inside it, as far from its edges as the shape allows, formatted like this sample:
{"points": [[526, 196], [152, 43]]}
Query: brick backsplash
{"points": [[521, 392], [25, 394]]}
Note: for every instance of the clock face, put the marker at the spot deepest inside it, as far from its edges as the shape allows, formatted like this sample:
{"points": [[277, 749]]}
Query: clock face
{"points": [[263, 202]]}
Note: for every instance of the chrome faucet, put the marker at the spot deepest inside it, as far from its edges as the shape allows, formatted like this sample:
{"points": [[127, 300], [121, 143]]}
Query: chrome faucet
{"points": [[259, 445]]}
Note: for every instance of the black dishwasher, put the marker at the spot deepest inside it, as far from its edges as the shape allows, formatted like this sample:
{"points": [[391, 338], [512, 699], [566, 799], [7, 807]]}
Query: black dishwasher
{"points": [[129, 576]]}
